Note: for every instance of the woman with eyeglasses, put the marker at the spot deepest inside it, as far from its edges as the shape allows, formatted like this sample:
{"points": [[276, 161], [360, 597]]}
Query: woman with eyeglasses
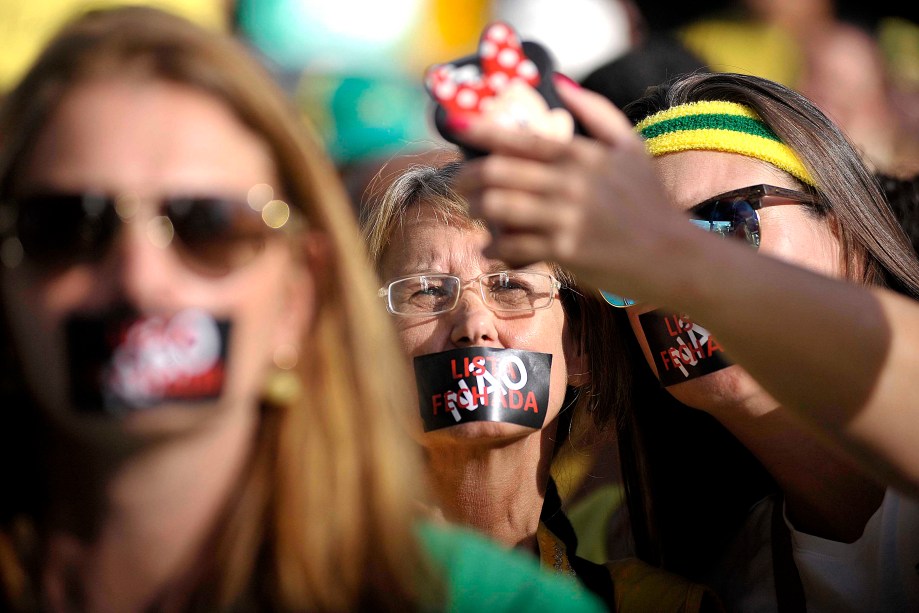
{"points": [[191, 417], [767, 490], [509, 364]]}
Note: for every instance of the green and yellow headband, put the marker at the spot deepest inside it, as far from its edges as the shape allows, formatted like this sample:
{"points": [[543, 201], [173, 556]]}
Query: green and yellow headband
{"points": [[719, 126]]}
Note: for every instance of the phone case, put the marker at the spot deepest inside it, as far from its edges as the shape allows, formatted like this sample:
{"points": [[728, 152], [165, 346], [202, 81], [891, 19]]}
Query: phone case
{"points": [[508, 82]]}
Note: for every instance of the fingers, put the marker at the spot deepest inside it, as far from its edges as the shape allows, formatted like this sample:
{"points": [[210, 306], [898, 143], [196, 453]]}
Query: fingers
{"points": [[502, 172], [522, 222], [519, 248], [572, 165], [516, 210], [486, 136], [600, 118]]}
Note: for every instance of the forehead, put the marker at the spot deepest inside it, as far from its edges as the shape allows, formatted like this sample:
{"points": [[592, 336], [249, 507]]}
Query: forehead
{"points": [[691, 177], [118, 134], [427, 241]]}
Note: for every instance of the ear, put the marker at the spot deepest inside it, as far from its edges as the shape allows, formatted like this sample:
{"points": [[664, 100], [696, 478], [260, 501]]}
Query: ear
{"points": [[851, 265]]}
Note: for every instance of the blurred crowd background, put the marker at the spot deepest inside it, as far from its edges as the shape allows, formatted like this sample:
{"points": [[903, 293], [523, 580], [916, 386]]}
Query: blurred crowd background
{"points": [[354, 67]]}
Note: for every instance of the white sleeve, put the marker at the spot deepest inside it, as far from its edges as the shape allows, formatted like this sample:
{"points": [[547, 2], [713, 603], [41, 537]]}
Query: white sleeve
{"points": [[878, 572]]}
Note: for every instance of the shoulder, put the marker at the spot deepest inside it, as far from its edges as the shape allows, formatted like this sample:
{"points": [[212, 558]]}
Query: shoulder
{"points": [[879, 567], [481, 575]]}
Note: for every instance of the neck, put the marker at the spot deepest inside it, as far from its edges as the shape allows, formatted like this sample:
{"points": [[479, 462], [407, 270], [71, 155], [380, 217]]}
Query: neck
{"points": [[495, 488], [128, 531]]}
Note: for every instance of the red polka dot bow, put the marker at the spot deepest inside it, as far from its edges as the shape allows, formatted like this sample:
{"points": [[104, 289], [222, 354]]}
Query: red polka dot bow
{"points": [[461, 89]]}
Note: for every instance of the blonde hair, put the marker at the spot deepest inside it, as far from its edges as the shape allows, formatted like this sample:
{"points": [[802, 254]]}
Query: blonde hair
{"points": [[430, 187], [323, 519]]}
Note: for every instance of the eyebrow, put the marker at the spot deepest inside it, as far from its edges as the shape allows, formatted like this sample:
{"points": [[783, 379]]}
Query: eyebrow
{"points": [[497, 266]]}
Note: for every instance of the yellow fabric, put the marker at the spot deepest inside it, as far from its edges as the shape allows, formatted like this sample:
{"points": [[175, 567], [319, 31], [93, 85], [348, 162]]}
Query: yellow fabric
{"points": [[703, 107], [768, 150], [642, 587], [777, 154], [639, 587], [745, 46], [27, 25], [552, 551]]}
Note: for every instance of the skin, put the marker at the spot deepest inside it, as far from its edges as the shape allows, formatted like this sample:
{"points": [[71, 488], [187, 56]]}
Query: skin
{"points": [[789, 232], [488, 475], [833, 498], [126, 527], [614, 229]]}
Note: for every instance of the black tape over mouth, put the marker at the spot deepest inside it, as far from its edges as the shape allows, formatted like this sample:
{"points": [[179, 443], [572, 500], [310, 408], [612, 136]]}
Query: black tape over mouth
{"points": [[681, 349], [474, 384], [121, 362]]}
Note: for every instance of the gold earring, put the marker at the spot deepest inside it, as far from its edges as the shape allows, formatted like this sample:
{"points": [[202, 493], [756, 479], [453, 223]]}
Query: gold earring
{"points": [[283, 386]]}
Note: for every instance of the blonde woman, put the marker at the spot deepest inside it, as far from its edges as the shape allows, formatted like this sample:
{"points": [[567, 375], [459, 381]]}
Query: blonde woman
{"points": [[171, 237], [460, 312]]}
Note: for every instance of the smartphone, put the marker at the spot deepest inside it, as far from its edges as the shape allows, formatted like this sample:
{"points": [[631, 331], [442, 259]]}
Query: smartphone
{"points": [[508, 82]]}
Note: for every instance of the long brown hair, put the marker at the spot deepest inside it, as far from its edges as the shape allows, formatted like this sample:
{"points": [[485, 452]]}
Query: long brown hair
{"points": [[323, 519], [689, 482]]}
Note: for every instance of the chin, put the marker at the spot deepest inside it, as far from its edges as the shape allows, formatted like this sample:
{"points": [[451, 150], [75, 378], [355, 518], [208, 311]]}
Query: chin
{"points": [[138, 426], [168, 420], [726, 389], [478, 433]]}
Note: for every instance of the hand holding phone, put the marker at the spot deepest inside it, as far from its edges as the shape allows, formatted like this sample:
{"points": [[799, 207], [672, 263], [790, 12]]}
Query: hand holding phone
{"points": [[509, 84]]}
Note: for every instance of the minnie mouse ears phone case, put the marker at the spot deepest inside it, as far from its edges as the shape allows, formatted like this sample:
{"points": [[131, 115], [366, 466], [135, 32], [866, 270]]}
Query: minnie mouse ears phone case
{"points": [[507, 83]]}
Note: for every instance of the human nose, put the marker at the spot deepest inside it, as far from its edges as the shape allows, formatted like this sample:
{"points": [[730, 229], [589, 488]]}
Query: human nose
{"points": [[472, 322], [139, 262]]}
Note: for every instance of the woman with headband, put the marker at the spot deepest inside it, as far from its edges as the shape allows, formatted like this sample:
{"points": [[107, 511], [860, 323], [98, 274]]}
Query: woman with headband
{"points": [[750, 161], [492, 433], [191, 419]]}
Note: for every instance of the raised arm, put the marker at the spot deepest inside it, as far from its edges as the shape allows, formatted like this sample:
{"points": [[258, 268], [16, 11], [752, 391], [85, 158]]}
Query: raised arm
{"points": [[846, 355]]}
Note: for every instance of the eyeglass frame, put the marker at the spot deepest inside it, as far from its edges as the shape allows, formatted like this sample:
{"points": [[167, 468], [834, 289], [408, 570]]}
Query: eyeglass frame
{"points": [[385, 291], [762, 190], [10, 211]]}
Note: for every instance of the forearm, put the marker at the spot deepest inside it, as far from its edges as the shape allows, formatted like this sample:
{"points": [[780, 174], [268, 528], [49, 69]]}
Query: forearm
{"points": [[840, 356], [826, 494]]}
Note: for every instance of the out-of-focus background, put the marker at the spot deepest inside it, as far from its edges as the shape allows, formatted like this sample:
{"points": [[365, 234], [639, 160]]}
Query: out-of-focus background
{"points": [[354, 67]]}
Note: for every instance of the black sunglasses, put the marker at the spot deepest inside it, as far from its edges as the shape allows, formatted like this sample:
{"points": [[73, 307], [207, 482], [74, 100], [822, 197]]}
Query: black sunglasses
{"points": [[212, 234], [735, 214]]}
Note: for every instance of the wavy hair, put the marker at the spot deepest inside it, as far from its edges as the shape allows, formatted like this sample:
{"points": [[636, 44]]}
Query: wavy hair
{"points": [[324, 517]]}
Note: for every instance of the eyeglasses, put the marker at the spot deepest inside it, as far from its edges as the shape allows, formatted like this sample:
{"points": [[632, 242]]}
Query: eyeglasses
{"points": [[735, 214], [432, 294], [211, 234]]}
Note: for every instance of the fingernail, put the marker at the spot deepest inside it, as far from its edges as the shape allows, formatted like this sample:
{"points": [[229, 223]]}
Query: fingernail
{"points": [[566, 80], [457, 123]]}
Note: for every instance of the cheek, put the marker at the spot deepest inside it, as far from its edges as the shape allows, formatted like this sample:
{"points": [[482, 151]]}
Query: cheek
{"points": [[36, 311], [257, 304], [421, 336], [41, 304], [545, 334], [716, 392], [805, 242]]}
